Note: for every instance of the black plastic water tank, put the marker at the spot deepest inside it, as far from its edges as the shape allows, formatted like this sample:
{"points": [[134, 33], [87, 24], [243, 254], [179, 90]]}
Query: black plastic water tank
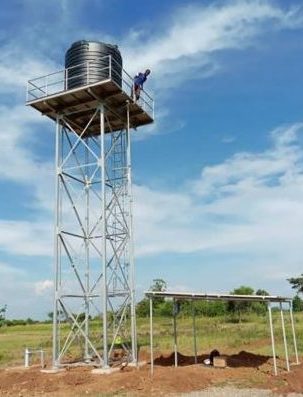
{"points": [[89, 62]]}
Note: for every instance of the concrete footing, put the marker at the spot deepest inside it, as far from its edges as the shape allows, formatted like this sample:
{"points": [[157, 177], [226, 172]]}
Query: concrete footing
{"points": [[17, 368], [52, 370], [105, 371], [137, 364], [111, 370]]}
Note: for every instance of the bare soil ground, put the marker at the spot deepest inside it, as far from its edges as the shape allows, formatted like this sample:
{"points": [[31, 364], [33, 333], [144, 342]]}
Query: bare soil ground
{"points": [[245, 370], [233, 392]]}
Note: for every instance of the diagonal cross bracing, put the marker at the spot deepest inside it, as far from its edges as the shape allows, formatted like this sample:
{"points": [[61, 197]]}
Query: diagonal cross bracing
{"points": [[94, 283]]}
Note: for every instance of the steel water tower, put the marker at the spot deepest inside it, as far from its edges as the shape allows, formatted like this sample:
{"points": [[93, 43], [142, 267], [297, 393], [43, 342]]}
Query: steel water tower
{"points": [[93, 109]]}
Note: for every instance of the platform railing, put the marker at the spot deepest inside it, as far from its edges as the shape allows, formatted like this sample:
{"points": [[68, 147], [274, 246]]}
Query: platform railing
{"points": [[64, 80]]}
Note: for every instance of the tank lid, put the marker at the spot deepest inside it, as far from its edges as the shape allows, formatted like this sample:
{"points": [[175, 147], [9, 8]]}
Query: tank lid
{"points": [[86, 42]]}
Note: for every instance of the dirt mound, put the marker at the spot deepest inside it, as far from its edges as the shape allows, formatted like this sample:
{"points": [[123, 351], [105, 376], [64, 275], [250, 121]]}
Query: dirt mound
{"points": [[242, 359], [169, 360], [246, 359]]}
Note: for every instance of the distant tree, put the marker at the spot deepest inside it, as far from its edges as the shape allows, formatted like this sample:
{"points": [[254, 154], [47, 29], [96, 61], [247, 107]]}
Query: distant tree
{"points": [[202, 307], [81, 316], [60, 315], [164, 309], [217, 308], [297, 304], [14, 322], [237, 307], [2, 315], [158, 285], [262, 292], [260, 307], [142, 308], [296, 283]]}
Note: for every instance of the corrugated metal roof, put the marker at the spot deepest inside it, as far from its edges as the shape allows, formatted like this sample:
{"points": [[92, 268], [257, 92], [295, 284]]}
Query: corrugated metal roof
{"points": [[215, 296]]}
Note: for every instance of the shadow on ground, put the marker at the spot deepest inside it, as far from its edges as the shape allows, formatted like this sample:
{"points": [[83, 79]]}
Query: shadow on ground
{"points": [[242, 359]]}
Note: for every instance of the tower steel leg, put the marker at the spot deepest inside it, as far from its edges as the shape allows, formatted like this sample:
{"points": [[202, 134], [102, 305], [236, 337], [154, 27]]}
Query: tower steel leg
{"points": [[104, 256], [56, 245], [131, 245], [87, 257]]}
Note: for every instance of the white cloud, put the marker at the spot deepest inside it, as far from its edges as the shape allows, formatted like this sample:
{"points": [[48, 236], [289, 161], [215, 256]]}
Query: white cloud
{"points": [[19, 164], [21, 129], [44, 287], [17, 159], [9, 271], [186, 48], [245, 169], [19, 292], [26, 238], [249, 204], [18, 65]]}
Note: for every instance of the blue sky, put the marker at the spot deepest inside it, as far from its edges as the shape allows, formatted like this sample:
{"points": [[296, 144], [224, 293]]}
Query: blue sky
{"points": [[218, 177]]}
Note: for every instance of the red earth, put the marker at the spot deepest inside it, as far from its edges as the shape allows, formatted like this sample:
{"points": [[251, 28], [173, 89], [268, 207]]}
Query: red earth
{"points": [[244, 370]]}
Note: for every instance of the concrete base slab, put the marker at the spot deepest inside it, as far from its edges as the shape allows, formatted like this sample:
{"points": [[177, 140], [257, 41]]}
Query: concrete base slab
{"points": [[137, 364], [80, 364], [17, 368], [294, 364], [52, 370], [105, 371]]}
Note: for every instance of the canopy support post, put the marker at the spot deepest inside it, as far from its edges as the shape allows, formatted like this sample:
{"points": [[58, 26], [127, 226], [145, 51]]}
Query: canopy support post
{"points": [[272, 338], [175, 334], [151, 335], [194, 330], [293, 332], [284, 337]]}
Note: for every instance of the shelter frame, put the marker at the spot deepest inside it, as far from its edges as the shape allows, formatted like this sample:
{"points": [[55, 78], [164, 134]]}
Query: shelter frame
{"points": [[269, 300]]}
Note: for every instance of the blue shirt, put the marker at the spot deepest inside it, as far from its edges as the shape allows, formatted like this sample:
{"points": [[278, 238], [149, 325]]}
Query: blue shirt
{"points": [[140, 79]]}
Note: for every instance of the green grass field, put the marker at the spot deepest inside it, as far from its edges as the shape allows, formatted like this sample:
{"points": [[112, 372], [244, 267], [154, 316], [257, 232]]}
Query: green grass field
{"points": [[219, 332]]}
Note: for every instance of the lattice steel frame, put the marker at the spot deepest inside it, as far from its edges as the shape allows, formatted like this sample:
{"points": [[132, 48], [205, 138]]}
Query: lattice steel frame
{"points": [[94, 261]]}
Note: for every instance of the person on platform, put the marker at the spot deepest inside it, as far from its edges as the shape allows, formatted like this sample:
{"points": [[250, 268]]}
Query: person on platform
{"points": [[139, 80]]}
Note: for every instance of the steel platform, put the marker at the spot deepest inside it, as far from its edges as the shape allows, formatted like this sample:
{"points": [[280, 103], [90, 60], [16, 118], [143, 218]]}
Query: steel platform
{"points": [[48, 95]]}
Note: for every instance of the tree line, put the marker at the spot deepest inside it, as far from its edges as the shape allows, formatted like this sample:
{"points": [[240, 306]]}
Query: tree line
{"points": [[163, 307]]}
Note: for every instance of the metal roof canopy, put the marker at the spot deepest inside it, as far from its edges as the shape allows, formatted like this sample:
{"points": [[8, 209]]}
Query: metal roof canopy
{"points": [[192, 296], [216, 297], [49, 95]]}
